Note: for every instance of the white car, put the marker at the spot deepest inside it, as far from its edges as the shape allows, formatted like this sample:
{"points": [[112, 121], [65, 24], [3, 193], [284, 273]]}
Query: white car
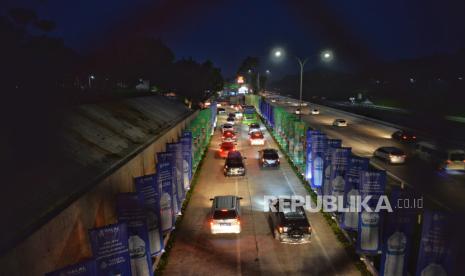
{"points": [[340, 123], [392, 155], [297, 111], [225, 215], [315, 111], [227, 126], [238, 115]]}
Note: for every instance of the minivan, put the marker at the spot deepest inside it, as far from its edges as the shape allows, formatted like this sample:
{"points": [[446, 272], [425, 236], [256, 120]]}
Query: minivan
{"points": [[225, 214]]}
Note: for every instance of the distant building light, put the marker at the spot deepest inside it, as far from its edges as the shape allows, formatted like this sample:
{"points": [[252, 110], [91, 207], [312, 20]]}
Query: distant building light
{"points": [[412, 80], [240, 79], [460, 78]]}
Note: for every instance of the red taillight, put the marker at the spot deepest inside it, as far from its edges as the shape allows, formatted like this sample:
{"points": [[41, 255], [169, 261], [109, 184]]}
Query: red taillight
{"points": [[211, 223], [224, 210], [414, 137]]}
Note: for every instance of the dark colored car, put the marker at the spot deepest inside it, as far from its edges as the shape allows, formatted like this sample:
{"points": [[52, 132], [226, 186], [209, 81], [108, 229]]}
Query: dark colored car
{"points": [[234, 164], [228, 136], [289, 226], [404, 136], [268, 158], [254, 127], [221, 110], [230, 120], [232, 115]]}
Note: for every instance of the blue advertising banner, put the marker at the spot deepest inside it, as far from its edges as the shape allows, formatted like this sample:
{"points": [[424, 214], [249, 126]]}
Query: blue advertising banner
{"points": [[176, 149], [84, 268], [167, 196], [435, 256], [339, 168], [132, 213], [332, 144], [308, 153], [110, 249], [372, 185], [357, 164], [186, 141], [397, 237], [148, 192], [319, 144]]}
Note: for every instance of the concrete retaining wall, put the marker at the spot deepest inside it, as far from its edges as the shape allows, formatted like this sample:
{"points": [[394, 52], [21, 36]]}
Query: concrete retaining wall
{"points": [[64, 239]]}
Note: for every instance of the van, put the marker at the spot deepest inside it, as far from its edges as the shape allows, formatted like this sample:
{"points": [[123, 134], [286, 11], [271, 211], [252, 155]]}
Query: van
{"points": [[225, 215], [446, 159]]}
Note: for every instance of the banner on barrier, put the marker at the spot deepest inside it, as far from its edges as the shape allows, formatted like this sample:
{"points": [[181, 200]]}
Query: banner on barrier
{"points": [[168, 200], [178, 171], [132, 213], [435, 256], [319, 144], [110, 249], [186, 141], [149, 194], [339, 168], [357, 164], [372, 185], [397, 237], [332, 144]]}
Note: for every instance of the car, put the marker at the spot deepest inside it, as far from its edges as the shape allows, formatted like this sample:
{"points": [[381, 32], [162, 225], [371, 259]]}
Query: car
{"points": [[229, 136], [297, 111], [221, 110], [315, 111], [340, 123], [225, 148], [404, 136], [230, 120], [232, 115], [234, 164], [225, 215], [391, 155], [268, 158], [254, 127], [257, 138], [238, 115], [227, 126], [448, 159], [289, 226]]}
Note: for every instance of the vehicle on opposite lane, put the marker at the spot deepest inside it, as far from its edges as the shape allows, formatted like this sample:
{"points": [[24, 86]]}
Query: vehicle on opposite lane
{"points": [[315, 111], [289, 226], [404, 136], [340, 123], [225, 215], [234, 164], [391, 155], [268, 158]]}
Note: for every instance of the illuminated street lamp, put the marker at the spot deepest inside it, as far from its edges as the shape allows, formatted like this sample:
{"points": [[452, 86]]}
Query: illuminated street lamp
{"points": [[325, 56], [91, 77]]}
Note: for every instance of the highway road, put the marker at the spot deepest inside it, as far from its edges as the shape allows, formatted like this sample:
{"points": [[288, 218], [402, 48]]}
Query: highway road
{"points": [[364, 137], [254, 251]]}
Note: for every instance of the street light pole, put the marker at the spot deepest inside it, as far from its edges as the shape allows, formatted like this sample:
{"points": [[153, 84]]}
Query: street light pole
{"points": [[302, 64], [258, 82]]}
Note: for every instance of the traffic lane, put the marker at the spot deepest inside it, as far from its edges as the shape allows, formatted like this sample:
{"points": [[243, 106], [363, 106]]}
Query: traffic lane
{"points": [[323, 256], [254, 251], [445, 190]]}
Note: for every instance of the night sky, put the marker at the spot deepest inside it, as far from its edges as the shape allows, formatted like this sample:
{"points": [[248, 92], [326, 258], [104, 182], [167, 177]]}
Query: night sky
{"points": [[225, 32]]}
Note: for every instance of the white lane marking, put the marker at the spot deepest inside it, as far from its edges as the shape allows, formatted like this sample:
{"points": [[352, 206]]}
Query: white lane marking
{"points": [[325, 253]]}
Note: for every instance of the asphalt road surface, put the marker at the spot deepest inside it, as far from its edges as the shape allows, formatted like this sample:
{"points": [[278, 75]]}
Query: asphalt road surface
{"points": [[440, 188], [254, 251]]}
